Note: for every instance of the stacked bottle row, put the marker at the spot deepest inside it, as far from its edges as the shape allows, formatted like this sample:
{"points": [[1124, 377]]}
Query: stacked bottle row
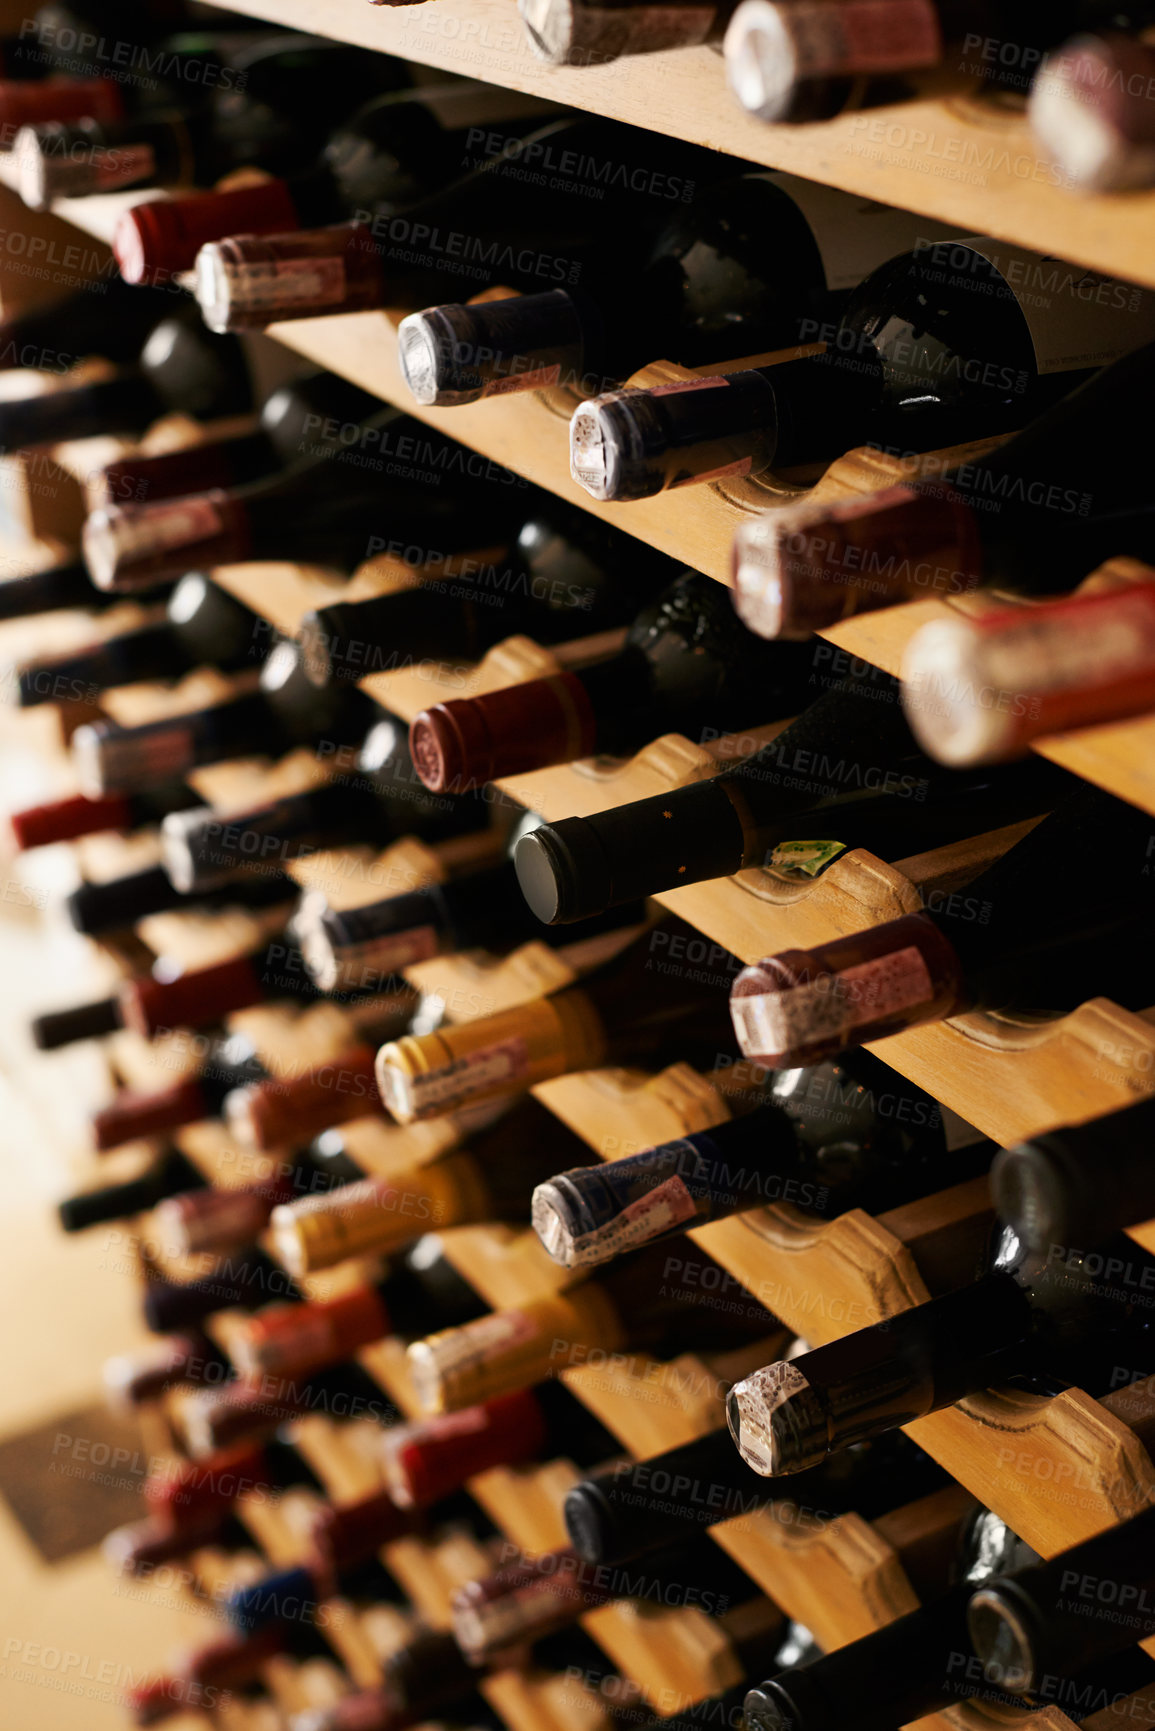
{"points": [[1085, 72]]}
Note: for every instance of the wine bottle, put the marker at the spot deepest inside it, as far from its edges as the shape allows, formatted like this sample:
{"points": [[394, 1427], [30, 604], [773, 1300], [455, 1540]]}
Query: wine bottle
{"points": [[390, 474], [381, 801], [50, 40], [178, 143], [1034, 516], [744, 270], [649, 1302], [53, 589], [428, 1459], [623, 1012], [170, 1173], [1080, 1184], [847, 770], [791, 61], [912, 1666], [1007, 336], [299, 1339], [633, 1508], [538, 1595], [687, 663], [1075, 1317], [1088, 114], [210, 1675], [269, 1113], [837, 1136], [592, 32], [181, 369], [1056, 1618], [430, 1676], [348, 947], [242, 1283], [140, 1548], [91, 1021], [212, 1419], [523, 215], [103, 317], [69, 819], [286, 711], [491, 1179], [1017, 940], [982, 690], [186, 1492], [117, 905], [302, 418], [565, 574], [396, 149], [204, 626], [134, 1380]]}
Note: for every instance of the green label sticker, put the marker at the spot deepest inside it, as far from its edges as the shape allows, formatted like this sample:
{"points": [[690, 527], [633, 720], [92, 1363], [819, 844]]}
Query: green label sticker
{"points": [[806, 859]]}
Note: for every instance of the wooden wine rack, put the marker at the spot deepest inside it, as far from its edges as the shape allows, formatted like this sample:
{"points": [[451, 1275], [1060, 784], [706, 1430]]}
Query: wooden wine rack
{"points": [[1058, 1469]]}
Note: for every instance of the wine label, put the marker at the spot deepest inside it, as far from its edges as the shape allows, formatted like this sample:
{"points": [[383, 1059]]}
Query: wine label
{"points": [[780, 1023], [289, 282], [664, 1207], [479, 1345], [1076, 317], [475, 1073], [391, 953], [172, 523], [1074, 649], [683, 386], [792, 860], [854, 237]]}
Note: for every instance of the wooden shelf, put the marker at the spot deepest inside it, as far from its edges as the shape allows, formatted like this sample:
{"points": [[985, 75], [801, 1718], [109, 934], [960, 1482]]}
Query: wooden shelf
{"points": [[947, 155]]}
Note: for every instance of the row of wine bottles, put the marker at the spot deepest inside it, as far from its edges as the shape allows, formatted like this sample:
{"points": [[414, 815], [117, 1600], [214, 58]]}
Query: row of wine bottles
{"points": [[84, 131]]}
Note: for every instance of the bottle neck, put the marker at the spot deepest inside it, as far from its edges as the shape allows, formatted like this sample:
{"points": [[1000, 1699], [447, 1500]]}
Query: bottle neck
{"points": [[127, 404], [792, 1415], [111, 759], [153, 652]]}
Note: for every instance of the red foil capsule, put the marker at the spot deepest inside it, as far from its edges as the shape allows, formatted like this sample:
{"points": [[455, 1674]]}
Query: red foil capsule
{"points": [[132, 1116], [472, 740], [980, 690], [196, 1488], [274, 1114], [350, 1534], [192, 1000], [31, 104], [161, 237], [218, 1220], [294, 1339], [426, 1461]]}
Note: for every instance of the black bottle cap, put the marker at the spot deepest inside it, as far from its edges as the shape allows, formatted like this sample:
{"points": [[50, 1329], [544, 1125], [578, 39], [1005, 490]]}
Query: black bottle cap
{"points": [[82, 1022], [114, 906], [581, 866], [591, 1522]]}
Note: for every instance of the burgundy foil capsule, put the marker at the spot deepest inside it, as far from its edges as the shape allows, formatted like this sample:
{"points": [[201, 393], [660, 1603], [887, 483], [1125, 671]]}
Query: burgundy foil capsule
{"points": [[273, 1114], [32, 104], [205, 1675], [430, 1459], [69, 819], [193, 1489], [351, 1533], [193, 469], [1090, 109], [471, 740], [132, 1379], [139, 1548], [132, 1116], [801, 1006], [192, 1000], [160, 238]]}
